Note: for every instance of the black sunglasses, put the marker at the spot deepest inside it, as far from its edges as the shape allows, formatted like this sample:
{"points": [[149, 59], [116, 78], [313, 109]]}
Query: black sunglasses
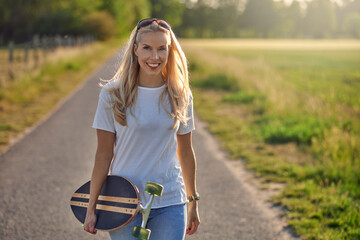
{"points": [[148, 21]]}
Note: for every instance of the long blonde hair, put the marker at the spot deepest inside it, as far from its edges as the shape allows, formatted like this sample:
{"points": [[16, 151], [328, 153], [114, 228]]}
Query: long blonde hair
{"points": [[175, 75]]}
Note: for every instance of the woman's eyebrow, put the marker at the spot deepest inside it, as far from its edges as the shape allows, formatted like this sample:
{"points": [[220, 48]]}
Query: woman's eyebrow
{"points": [[148, 45]]}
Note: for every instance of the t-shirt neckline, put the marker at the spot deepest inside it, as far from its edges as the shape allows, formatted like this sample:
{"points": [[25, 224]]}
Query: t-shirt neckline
{"points": [[152, 89]]}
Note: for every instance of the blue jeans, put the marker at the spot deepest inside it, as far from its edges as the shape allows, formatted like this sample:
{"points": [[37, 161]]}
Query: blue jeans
{"points": [[166, 223]]}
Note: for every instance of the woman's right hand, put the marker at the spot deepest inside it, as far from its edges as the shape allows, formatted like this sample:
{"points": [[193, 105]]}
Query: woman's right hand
{"points": [[89, 224]]}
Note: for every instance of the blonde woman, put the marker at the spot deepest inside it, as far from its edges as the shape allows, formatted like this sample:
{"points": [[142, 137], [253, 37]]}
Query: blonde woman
{"points": [[144, 121]]}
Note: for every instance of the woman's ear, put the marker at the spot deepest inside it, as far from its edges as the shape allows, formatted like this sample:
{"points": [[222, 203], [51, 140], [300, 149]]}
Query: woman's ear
{"points": [[135, 49]]}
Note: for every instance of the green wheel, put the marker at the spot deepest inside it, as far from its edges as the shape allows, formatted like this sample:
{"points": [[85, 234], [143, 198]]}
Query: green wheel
{"points": [[154, 189], [141, 233]]}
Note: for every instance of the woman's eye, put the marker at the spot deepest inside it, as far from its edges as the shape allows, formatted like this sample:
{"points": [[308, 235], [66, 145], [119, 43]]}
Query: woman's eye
{"points": [[146, 47], [162, 49]]}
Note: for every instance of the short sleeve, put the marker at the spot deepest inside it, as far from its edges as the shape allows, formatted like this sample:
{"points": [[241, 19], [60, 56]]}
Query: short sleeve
{"points": [[104, 117], [184, 129]]}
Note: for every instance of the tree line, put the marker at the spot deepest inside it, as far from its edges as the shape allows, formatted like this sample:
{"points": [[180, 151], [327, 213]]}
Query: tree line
{"points": [[270, 19], [21, 19]]}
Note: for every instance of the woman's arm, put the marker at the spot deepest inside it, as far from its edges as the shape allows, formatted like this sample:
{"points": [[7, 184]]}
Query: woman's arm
{"points": [[186, 156], [103, 158]]}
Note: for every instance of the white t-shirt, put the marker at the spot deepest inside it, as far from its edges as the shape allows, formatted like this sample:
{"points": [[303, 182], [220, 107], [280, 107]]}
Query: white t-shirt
{"points": [[145, 149]]}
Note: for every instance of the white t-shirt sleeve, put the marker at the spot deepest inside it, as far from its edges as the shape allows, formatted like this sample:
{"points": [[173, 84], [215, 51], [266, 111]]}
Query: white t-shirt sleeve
{"points": [[190, 123], [104, 117]]}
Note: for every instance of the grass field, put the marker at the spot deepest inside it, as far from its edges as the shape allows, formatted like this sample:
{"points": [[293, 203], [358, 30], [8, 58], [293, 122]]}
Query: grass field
{"points": [[291, 110]]}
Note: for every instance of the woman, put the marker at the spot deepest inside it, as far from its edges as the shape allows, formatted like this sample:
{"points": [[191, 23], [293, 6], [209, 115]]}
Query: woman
{"points": [[144, 121]]}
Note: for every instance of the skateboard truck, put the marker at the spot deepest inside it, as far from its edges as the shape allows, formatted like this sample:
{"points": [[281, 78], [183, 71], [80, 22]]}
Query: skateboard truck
{"points": [[154, 190]]}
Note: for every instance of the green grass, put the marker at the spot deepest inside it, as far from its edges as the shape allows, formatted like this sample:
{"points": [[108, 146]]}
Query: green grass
{"points": [[241, 97], [218, 82], [298, 129], [293, 117], [26, 100], [332, 75]]}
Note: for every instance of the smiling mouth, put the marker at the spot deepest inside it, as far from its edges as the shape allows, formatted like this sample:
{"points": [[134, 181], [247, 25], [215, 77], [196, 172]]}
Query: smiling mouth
{"points": [[153, 65]]}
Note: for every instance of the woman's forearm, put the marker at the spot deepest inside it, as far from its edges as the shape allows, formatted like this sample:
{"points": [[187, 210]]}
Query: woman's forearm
{"points": [[187, 160], [188, 166], [99, 174], [103, 158]]}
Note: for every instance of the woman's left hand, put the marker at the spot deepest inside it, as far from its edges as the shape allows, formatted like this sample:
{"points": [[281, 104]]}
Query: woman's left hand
{"points": [[193, 218]]}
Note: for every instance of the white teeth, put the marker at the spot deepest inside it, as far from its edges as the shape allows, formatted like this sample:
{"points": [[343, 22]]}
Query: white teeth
{"points": [[153, 65]]}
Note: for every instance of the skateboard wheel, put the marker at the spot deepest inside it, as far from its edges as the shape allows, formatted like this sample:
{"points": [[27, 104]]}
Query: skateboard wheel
{"points": [[154, 189], [141, 233]]}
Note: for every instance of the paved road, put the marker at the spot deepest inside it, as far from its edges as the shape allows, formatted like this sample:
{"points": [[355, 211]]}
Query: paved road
{"points": [[40, 172]]}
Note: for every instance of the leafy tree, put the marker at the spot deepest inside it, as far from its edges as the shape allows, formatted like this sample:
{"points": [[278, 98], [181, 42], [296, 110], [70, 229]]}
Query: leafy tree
{"points": [[79, 7], [61, 21], [108, 6], [320, 18], [16, 20], [196, 21], [210, 19], [225, 19], [290, 20], [101, 24], [20, 19], [126, 13], [260, 16], [352, 24], [63, 17], [344, 11], [169, 10]]}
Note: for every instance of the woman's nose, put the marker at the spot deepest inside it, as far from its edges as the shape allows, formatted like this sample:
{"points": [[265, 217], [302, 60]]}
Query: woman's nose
{"points": [[155, 54]]}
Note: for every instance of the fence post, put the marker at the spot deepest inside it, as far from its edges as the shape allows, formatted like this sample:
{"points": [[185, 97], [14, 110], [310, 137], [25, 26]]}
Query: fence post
{"points": [[36, 46], [44, 45], [57, 41], [26, 55], [11, 59], [67, 41], [47, 44]]}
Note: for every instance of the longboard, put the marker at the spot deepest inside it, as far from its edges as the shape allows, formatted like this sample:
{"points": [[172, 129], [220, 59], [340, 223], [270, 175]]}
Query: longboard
{"points": [[118, 203]]}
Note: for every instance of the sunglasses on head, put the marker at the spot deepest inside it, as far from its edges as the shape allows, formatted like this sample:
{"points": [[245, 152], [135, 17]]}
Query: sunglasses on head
{"points": [[148, 21]]}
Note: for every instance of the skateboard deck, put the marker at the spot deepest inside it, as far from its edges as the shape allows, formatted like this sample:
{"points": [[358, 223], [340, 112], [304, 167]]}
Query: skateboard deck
{"points": [[117, 205]]}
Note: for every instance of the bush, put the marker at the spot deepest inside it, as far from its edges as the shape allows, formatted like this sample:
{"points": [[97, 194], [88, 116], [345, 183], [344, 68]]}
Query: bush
{"points": [[101, 24]]}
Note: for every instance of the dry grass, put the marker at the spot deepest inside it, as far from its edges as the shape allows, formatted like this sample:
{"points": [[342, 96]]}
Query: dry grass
{"points": [[274, 44], [18, 68]]}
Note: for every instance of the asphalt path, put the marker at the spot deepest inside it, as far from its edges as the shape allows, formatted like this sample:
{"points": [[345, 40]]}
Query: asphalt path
{"points": [[39, 173]]}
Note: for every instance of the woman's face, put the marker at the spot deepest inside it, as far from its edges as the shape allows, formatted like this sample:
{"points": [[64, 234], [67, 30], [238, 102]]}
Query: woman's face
{"points": [[152, 51]]}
